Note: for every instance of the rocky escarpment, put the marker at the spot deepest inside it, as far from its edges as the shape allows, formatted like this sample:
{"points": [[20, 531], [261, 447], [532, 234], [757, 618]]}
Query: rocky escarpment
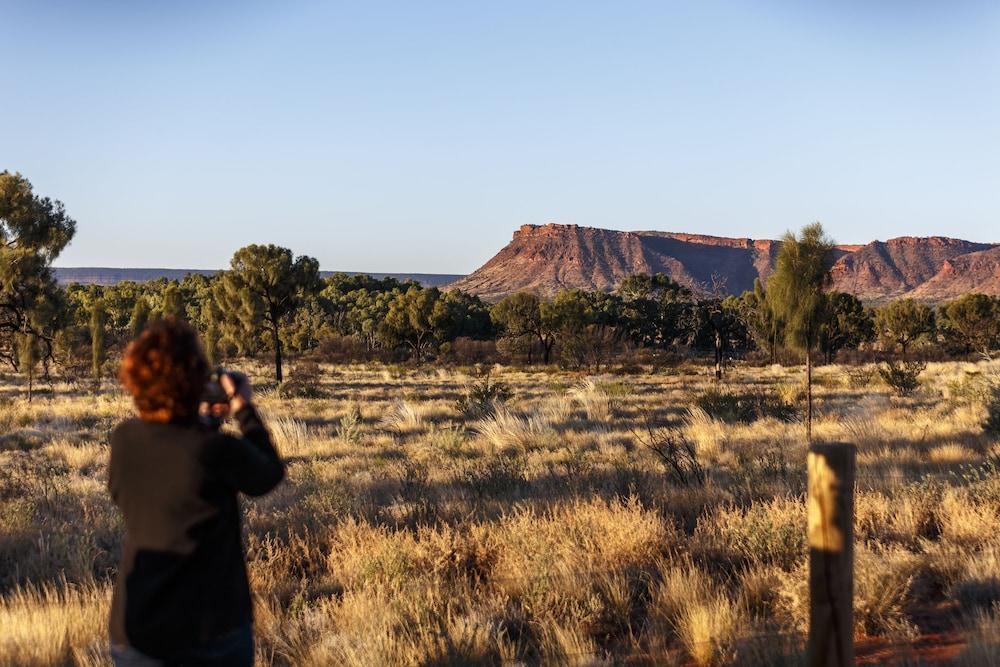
{"points": [[544, 259]]}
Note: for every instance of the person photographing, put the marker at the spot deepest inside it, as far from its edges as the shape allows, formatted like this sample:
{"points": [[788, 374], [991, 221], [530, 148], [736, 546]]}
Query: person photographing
{"points": [[182, 596]]}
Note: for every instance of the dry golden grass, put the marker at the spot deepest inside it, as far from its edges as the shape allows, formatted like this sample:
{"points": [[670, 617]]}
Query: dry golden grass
{"points": [[545, 533], [984, 645], [54, 624]]}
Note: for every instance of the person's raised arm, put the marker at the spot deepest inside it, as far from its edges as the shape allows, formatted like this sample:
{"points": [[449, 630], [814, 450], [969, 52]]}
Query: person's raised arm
{"points": [[250, 463]]}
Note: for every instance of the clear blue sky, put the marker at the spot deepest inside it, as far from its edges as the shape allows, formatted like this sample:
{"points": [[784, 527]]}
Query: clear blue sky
{"points": [[416, 136]]}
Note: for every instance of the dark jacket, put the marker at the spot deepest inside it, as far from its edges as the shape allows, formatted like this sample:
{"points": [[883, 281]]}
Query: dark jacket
{"points": [[182, 580]]}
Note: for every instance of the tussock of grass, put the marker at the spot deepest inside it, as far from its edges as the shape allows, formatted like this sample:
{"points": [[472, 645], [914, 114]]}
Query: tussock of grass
{"points": [[701, 616], [291, 436], [54, 624], [597, 399], [507, 431], [403, 417], [767, 532]]}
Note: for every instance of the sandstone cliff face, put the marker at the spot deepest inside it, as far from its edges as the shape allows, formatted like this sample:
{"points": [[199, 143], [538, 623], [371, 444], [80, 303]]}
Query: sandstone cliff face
{"points": [[889, 269], [545, 259], [974, 272]]}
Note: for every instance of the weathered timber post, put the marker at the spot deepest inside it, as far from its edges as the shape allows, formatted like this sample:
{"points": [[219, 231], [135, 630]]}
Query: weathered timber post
{"points": [[831, 555]]}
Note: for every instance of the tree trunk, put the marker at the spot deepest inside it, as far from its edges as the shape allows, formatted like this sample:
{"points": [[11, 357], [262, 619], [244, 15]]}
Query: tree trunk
{"points": [[547, 351], [809, 395], [277, 352], [31, 382], [718, 356]]}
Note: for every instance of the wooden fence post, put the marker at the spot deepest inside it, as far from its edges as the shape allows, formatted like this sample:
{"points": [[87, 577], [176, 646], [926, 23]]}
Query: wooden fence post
{"points": [[831, 555]]}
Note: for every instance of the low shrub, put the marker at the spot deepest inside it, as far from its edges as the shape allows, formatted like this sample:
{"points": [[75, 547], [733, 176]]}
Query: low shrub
{"points": [[767, 533], [902, 377], [482, 399], [303, 382], [969, 389], [883, 578], [349, 427], [744, 407], [860, 377], [470, 351], [677, 454], [495, 475], [449, 440], [335, 349]]}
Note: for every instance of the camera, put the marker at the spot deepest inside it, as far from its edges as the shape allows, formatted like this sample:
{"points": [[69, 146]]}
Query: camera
{"points": [[214, 394], [214, 399]]}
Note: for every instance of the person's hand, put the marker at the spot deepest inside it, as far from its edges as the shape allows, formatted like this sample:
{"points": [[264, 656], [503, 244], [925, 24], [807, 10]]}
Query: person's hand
{"points": [[237, 387]]}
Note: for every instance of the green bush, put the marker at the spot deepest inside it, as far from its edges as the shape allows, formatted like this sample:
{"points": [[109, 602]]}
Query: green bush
{"points": [[349, 428], [483, 398], [902, 377], [971, 389]]}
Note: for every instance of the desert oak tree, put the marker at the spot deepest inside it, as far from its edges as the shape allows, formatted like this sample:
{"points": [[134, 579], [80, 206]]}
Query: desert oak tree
{"points": [[33, 231], [264, 286]]}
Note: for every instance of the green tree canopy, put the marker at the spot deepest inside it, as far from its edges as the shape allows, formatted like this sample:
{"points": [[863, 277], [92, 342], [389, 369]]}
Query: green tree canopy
{"points": [[971, 323], [98, 319], [652, 309], [848, 325], [716, 324], [460, 315], [902, 323], [172, 302], [520, 319], [264, 286], [760, 321], [33, 231], [411, 319], [584, 324]]}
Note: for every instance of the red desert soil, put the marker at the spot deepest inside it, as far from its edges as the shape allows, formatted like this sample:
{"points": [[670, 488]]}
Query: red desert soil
{"points": [[939, 641]]}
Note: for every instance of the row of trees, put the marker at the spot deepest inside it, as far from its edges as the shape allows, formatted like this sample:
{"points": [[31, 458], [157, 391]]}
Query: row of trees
{"points": [[272, 302]]}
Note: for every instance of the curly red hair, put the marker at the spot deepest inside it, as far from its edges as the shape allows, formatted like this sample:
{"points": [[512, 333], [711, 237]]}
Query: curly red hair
{"points": [[165, 370]]}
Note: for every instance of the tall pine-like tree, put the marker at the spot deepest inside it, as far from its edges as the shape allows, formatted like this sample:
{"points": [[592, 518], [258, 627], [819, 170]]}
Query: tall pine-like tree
{"points": [[796, 294], [140, 316]]}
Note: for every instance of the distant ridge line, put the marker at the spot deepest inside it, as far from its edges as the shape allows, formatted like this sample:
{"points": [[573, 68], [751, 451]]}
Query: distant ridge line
{"points": [[545, 259], [98, 275]]}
